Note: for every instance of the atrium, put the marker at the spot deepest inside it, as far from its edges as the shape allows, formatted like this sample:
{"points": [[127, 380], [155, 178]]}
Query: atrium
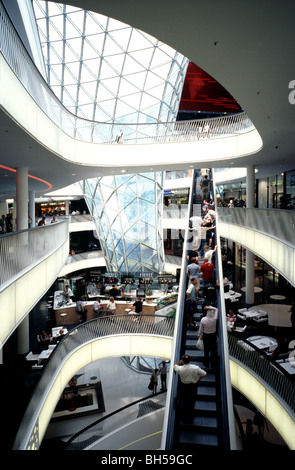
{"points": [[117, 112]]}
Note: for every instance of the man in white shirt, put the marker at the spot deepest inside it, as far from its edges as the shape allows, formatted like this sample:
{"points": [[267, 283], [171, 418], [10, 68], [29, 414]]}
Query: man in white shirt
{"points": [[68, 292], [195, 227], [208, 253], [189, 375], [207, 332]]}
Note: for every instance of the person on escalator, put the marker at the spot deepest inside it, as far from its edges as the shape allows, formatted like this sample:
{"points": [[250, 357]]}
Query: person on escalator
{"points": [[189, 375]]}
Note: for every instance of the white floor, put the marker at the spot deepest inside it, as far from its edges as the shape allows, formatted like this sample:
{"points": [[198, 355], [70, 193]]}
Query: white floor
{"points": [[120, 386]]}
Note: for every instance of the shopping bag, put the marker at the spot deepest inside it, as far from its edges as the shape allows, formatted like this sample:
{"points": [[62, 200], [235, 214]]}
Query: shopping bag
{"points": [[200, 344]]}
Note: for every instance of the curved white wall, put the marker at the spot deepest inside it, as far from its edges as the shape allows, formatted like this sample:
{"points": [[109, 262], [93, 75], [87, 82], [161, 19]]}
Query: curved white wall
{"points": [[278, 254], [18, 299], [112, 346], [265, 401], [15, 101]]}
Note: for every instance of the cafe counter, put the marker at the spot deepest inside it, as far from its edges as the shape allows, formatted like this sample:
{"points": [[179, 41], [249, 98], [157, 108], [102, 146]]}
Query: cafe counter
{"points": [[66, 313]]}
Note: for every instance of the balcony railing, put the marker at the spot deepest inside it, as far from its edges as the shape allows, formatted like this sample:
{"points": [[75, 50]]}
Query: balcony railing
{"points": [[270, 373], [20, 251], [22, 65], [91, 331], [276, 223]]}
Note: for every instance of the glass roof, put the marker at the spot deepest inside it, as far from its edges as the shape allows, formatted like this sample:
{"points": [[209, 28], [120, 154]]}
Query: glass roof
{"points": [[105, 70]]}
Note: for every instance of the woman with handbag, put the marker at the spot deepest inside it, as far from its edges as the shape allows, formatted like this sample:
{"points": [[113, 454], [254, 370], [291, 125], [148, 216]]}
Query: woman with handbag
{"points": [[154, 380], [192, 297]]}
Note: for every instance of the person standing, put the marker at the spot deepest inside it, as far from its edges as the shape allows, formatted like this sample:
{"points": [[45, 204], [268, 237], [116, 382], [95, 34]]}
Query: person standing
{"points": [[292, 316], [3, 224], [81, 309], [192, 297], [189, 375], [205, 187], [208, 271], [163, 375], [193, 269], [137, 307], [154, 380], [208, 332]]}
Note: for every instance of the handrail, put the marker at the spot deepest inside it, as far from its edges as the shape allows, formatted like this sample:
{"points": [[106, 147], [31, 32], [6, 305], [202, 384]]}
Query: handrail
{"points": [[83, 334], [115, 413], [20, 62], [269, 372], [276, 223], [169, 419], [22, 250]]}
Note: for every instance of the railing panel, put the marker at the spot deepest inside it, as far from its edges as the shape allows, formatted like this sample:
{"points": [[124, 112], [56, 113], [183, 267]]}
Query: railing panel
{"points": [[270, 373], [20, 251], [276, 223], [86, 333]]}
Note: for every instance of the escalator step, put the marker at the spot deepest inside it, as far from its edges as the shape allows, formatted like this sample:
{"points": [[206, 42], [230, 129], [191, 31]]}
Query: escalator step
{"points": [[205, 407], [188, 437], [206, 392]]}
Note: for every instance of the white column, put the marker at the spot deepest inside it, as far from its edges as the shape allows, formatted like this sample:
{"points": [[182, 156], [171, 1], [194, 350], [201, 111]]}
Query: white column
{"points": [[32, 208], [250, 199], [22, 198], [23, 344], [250, 187]]}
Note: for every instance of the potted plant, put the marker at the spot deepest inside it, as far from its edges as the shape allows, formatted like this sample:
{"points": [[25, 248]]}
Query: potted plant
{"points": [[148, 295]]}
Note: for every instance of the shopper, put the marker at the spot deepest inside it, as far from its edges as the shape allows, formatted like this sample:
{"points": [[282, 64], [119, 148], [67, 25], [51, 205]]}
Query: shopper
{"points": [[208, 333], [207, 270], [192, 295], [163, 375], [189, 375]]}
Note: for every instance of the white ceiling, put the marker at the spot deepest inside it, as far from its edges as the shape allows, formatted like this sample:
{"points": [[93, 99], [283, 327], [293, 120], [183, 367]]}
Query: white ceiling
{"points": [[247, 46]]}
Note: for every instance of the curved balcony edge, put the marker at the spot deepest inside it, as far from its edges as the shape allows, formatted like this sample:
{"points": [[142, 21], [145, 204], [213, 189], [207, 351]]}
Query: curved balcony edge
{"points": [[264, 399], [18, 105], [267, 233], [87, 343], [22, 294]]}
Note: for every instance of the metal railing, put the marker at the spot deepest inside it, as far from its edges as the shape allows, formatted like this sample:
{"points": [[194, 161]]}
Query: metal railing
{"points": [[270, 373], [85, 333], [16, 55], [20, 251], [92, 434], [276, 223]]}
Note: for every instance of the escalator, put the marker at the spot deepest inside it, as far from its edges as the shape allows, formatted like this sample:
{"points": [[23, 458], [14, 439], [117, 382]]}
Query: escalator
{"points": [[209, 427]]}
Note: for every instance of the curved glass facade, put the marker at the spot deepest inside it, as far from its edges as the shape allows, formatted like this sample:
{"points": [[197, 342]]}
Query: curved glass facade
{"points": [[104, 70], [128, 215]]}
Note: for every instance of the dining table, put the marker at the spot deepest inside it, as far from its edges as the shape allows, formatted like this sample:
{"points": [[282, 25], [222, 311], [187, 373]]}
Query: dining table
{"points": [[289, 366], [45, 354], [263, 342]]}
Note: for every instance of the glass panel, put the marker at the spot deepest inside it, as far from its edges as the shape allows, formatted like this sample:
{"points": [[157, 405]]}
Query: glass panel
{"points": [[138, 41], [121, 36], [75, 23], [95, 22]]}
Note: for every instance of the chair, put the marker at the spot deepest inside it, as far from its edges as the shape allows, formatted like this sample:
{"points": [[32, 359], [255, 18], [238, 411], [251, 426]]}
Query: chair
{"points": [[31, 357], [242, 310], [63, 315], [240, 329], [260, 320], [241, 317]]}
